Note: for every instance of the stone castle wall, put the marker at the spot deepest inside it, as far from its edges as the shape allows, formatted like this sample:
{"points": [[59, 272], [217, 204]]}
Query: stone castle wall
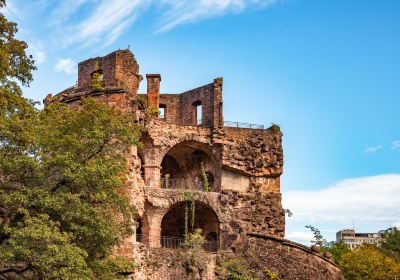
{"points": [[244, 201]]}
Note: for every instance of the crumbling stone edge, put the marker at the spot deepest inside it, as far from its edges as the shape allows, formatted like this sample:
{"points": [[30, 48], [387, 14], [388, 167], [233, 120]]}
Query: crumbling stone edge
{"points": [[290, 243]]}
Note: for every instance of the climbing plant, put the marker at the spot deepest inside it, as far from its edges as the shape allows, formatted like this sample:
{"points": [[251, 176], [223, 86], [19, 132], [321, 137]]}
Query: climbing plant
{"points": [[190, 205], [206, 184]]}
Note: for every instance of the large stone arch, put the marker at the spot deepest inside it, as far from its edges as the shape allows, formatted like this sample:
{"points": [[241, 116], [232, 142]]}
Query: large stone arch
{"points": [[159, 202], [181, 166], [205, 219]]}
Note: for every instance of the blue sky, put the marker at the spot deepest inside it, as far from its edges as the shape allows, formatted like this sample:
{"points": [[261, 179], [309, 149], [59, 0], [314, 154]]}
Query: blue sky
{"points": [[327, 71]]}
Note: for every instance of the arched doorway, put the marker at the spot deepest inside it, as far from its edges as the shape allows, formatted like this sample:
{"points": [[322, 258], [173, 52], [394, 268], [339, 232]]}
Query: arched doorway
{"points": [[186, 165], [176, 220]]}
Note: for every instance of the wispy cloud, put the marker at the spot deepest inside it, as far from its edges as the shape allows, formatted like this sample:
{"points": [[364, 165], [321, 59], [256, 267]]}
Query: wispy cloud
{"points": [[36, 49], [373, 149], [105, 23], [396, 145], [11, 10], [66, 65], [367, 199], [181, 12], [102, 22], [65, 9]]}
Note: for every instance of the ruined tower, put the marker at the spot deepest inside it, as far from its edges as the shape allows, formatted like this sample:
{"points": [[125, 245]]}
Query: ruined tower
{"points": [[231, 171]]}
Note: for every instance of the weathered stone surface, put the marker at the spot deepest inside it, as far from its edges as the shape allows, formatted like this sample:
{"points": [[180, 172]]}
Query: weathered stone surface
{"points": [[229, 175], [290, 260]]}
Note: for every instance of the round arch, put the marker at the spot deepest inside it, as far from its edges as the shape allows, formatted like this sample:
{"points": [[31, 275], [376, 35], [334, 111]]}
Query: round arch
{"points": [[173, 223], [185, 165]]}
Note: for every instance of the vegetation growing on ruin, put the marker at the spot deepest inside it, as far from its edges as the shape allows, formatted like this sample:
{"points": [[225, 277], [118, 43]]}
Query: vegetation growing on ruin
{"points": [[204, 177], [153, 112], [60, 180], [194, 256], [97, 81], [238, 269], [190, 207], [142, 102]]}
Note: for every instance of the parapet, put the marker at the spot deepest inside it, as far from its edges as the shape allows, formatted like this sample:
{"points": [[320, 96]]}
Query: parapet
{"points": [[118, 69]]}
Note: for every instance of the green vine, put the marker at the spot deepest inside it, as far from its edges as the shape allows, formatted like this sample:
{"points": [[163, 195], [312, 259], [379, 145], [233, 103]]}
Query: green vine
{"points": [[206, 185], [190, 204], [186, 217], [166, 181]]}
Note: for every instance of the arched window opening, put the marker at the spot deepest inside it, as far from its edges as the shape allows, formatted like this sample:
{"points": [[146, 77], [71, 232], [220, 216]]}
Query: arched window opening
{"points": [[141, 165], [174, 223], [198, 113], [139, 231], [162, 111], [184, 165], [97, 80]]}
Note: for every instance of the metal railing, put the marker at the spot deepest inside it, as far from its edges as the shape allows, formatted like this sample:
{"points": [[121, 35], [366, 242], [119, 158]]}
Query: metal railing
{"points": [[178, 242], [243, 125], [184, 184]]}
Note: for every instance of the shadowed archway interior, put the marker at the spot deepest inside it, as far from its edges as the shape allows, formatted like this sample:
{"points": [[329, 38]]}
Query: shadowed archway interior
{"points": [[173, 223]]}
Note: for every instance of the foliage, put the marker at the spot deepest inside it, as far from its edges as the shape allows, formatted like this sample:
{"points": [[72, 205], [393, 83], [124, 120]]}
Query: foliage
{"points": [[270, 275], [58, 195], [288, 212], [369, 263], [190, 204], [194, 256], [236, 269], [275, 127], [97, 81], [15, 63], [206, 185], [166, 181], [337, 249], [318, 238], [194, 239], [60, 179], [142, 101], [153, 112], [391, 243]]}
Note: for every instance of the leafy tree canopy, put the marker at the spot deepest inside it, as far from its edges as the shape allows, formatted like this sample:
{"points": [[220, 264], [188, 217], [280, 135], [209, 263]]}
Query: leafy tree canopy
{"points": [[391, 243], [61, 179], [369, 263]]}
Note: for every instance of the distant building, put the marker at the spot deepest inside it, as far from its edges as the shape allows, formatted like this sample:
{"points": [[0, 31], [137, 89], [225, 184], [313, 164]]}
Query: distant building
{"points": [[353, 239]]}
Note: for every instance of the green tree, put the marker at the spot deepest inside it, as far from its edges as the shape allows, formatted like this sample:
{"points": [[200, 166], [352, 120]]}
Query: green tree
{"points": [[337, 249], [61, 179], [369, 263], [391, 243], [318, 238]]}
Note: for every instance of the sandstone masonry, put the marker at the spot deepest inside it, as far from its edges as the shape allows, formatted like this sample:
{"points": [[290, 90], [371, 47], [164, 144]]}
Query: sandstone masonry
{"points": [[240, 215]]}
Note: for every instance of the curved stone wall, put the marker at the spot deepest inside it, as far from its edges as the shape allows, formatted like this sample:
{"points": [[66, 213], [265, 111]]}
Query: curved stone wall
{"points": [[292, 261]]}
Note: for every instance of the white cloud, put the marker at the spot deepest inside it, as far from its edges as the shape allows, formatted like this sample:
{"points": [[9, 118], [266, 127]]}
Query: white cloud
{"points": [[66, 65], [396, 145], [369, 200], [106, 22], [300, 236], [11, 10], [40, 57], [37, 50], [181, 12], [103, 21], [373, 149], [66, 9]]}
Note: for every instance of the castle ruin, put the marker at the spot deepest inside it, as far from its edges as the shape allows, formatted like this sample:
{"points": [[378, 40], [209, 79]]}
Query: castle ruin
{"points": [[231, 171]]}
